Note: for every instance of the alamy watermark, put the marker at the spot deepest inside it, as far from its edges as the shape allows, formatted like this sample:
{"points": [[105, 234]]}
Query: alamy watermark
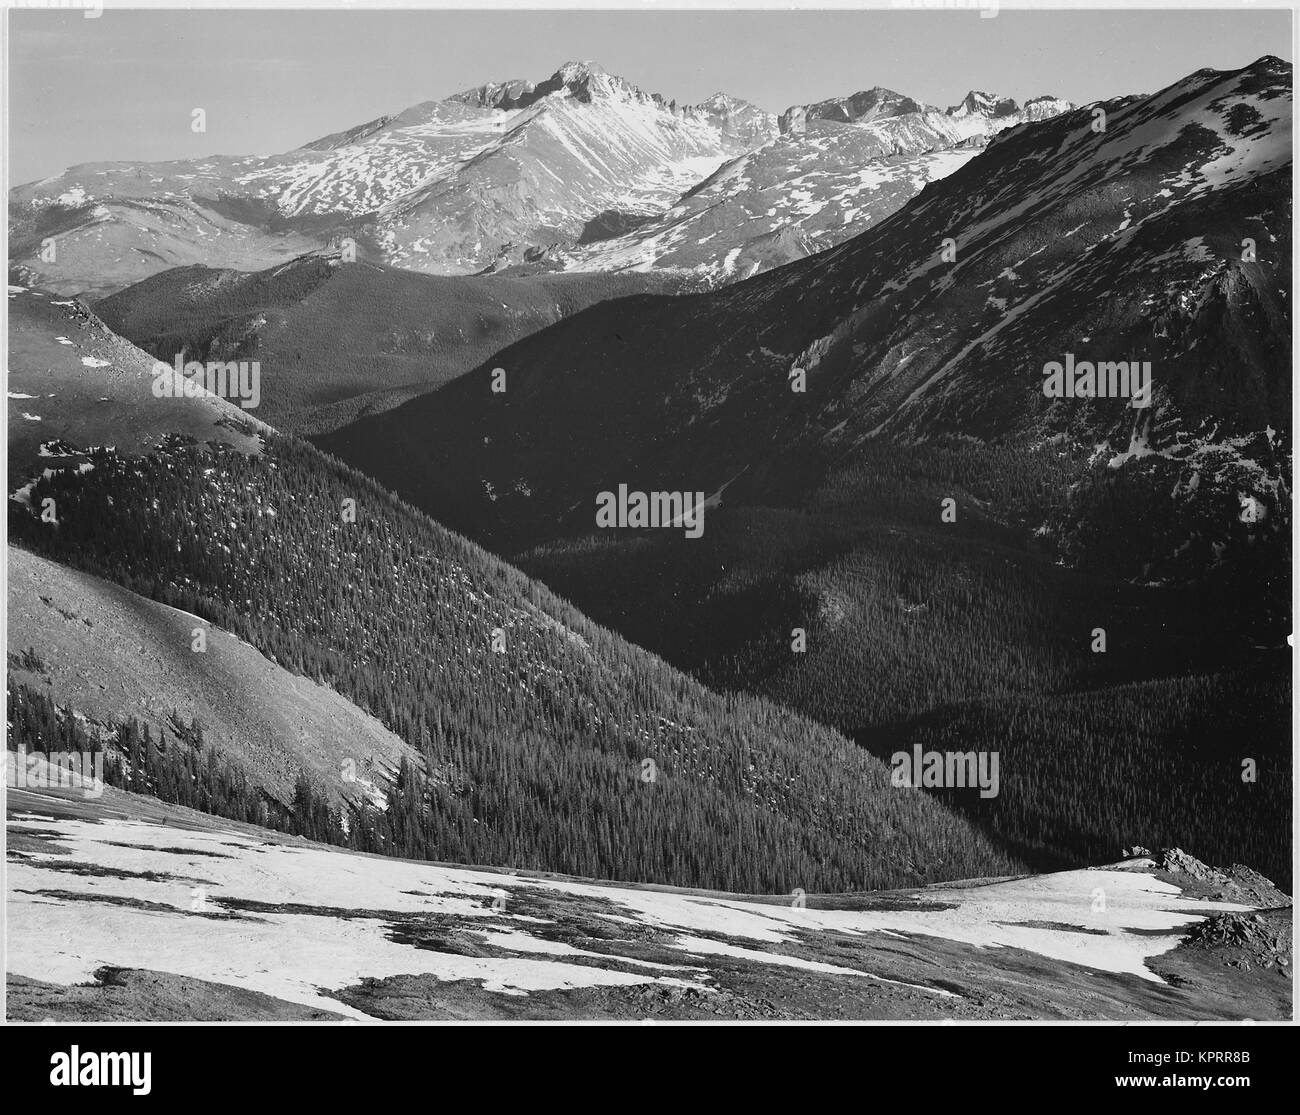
{"points": [[91, 1069], [237, 380], [35, 770], [651, 509], [1106, 379], [947, 770]]}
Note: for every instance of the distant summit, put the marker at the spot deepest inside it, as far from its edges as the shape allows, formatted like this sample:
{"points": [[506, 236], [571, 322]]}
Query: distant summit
{"points": [[984, 104], [583, 80], [582, 169], [588, 82], [878, 104], [859, 108]]}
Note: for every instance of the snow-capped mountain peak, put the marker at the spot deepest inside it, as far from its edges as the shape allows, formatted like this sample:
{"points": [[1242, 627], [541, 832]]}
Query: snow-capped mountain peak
{"points": [[978, 102], [573, 72], [583, 81], [864, 107], [507, 95], [517, 173]]}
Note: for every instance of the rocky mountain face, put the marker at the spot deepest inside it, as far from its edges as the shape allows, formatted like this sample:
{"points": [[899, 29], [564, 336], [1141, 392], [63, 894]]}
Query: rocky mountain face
{"points": [[977, 113], [793, 197], [860, 108], [1162, 238], [836, 168], [582, 146], [588, 83], [446, 187], [829, 412], [581, 171]]}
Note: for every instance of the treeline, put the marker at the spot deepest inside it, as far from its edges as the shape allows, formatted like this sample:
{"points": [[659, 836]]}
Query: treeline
{"points": [[547, 741], [181, 771]]}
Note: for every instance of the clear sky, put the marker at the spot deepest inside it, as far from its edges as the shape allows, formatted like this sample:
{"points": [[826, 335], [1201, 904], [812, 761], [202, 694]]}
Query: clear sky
{"points": [[123, 86]]}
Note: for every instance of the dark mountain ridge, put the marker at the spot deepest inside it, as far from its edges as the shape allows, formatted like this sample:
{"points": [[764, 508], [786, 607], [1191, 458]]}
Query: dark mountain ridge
{"points": [[921, 347]]}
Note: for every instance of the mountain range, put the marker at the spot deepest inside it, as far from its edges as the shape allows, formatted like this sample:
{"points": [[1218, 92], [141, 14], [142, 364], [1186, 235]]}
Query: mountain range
{"points": [[382, 612], [523, 715], [1125, 244], [826, 410], [505, 175]]}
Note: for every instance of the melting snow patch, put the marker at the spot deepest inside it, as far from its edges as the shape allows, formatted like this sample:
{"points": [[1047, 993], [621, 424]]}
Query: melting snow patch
{"points": [[299, 945], [65, 942]]}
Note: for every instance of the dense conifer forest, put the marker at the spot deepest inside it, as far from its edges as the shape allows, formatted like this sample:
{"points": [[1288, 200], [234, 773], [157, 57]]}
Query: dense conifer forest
{"points": [[548, 742], [978, 634]]}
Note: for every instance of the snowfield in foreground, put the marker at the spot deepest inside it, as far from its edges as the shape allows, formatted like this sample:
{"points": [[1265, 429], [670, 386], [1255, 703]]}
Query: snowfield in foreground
{"points": [[298, 921]]}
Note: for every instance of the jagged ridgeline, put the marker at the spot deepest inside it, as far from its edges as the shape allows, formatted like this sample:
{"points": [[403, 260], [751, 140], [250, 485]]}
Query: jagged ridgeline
{"points": [[547, 741]]}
